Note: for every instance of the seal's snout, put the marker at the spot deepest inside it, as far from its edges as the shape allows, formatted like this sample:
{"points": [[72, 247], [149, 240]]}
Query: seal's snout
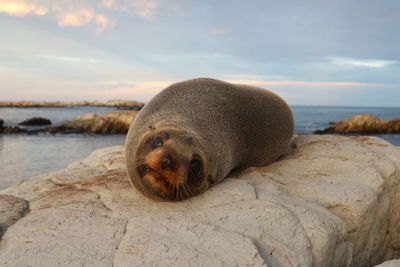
{"points": [[166, 162]]}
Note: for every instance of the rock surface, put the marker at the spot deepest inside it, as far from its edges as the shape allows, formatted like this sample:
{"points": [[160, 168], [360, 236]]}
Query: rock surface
{"points": [[109, 123], [363, 124], [392, 263], [35, 121], [333, 201]]}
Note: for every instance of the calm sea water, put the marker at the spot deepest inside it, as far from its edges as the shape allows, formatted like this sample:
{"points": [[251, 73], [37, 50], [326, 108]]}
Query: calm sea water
{"points": [[23, 156]]}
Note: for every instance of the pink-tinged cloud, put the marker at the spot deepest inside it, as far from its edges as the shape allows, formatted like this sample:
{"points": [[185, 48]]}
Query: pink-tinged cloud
{"points": [[66, 13], [82, 17], [21, 8], [142, 91], [108, 3]]}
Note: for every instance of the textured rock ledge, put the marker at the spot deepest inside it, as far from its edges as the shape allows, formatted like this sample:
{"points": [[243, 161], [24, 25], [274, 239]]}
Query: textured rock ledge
{"points": [[363, 124], [334, 201], [392, 263]]}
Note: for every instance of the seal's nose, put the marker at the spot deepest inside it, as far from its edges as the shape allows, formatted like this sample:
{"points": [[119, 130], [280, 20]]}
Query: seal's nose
{"points": [[166, 162]]}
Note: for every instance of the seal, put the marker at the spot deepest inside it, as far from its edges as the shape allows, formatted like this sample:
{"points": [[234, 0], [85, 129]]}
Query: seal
{"points": [[194, 133]]}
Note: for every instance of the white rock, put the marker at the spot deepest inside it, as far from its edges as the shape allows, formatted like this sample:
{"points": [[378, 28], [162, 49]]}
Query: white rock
{"points": [[334, 201], [392, 263]]}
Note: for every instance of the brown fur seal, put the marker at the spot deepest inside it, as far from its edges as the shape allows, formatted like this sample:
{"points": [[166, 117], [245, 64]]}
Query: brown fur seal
{"points": [[193, 133]]}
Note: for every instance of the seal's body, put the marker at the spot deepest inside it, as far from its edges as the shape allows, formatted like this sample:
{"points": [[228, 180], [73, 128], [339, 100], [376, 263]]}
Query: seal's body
{"points": [[193, 133]]}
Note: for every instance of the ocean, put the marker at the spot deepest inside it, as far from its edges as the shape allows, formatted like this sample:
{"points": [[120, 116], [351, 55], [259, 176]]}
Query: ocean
{"points": [[23, 156]]}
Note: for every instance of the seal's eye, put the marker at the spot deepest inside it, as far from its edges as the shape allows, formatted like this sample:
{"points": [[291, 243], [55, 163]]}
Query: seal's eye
{"points": [[194, 166], [156, 142]]}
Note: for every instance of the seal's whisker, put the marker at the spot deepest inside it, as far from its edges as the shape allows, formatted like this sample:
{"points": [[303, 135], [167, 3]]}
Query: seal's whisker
{"points": [[181, 193], [175, 190], [185, 189], [182, 188]]}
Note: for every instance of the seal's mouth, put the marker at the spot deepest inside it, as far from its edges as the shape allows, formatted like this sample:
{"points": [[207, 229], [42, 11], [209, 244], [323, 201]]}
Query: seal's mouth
{"points": [[164, 185]]}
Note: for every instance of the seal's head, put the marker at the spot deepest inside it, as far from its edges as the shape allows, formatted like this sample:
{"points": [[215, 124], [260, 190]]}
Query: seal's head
{"points": [[169, 164]]}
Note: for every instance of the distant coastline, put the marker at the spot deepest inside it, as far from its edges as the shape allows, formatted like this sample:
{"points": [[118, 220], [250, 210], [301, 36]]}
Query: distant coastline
{"points": [[129, 104]]}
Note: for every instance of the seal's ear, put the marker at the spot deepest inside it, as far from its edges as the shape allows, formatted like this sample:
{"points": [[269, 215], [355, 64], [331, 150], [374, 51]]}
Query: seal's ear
{"points": [[151, 127]]}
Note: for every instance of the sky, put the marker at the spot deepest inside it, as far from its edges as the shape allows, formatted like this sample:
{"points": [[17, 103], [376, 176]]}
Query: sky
{"points": [[311, 52]]}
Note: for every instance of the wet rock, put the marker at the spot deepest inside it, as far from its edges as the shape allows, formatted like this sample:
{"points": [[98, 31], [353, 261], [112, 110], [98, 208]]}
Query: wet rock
{"points": [[363, 124], [12, 130], [62, 129], [35, 121]]}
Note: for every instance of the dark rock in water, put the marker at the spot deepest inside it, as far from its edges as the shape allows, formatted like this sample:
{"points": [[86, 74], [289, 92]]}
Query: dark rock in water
{"points": [[64, 129], [329, 130], [12, 130], [130, 108], [1, 123], [363, 124], [36, 121]]}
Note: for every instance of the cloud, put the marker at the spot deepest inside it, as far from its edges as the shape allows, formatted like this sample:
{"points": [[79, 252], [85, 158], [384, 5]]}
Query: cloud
{"points": [[82, 17], [70, 59], [76, 18], [21, 8], [313, 84], [67, 13], [73, 13], [109, 3], [146, 9], [371, 63], [138, 90]]}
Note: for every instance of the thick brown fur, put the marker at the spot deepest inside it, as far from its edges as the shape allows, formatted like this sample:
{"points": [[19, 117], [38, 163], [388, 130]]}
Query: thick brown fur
{"points": [[225, 126]]}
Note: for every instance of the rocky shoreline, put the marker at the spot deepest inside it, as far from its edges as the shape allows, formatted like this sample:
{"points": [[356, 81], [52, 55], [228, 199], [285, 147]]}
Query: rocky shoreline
{"points": [[364, 124], [117, 122], [332, 201], [128, 104]]}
